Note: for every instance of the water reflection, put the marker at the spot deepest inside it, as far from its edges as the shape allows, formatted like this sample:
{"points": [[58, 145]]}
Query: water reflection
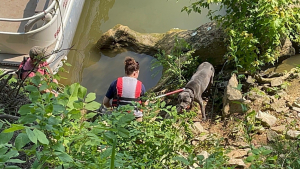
{"points": [[94, 69], [98, 76]]}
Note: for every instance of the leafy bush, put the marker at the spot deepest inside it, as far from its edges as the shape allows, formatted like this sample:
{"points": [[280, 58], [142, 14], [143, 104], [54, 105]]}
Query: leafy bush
{"points": [[63, 132], [255, 28]]}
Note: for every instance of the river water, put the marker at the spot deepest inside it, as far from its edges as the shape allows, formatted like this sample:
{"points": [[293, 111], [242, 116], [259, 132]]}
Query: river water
{"points": [[95, 69]]}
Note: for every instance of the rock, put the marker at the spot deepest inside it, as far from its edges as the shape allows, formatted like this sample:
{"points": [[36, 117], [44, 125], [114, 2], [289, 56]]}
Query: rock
{"points": [[267, 119], [197, 128], [296, 109], [231, 96], [241, 144], [250, 80], [240, 153], [272, 135], [279, 105], [286, 48], [237, 162], [276, 82], [299, 115], [279, 129], [293, 134], [205, 154]]}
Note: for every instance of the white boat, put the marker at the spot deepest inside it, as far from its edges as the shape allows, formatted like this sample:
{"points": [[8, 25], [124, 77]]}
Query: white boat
{"points": [[27, 23]]}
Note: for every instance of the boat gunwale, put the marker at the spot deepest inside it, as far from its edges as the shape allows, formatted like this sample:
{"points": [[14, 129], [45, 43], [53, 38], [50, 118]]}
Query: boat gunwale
{"points": [[32, 17]]}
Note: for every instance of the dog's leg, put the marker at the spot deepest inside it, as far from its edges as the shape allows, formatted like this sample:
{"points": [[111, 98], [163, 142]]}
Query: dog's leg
{"points": [[202, 109]]}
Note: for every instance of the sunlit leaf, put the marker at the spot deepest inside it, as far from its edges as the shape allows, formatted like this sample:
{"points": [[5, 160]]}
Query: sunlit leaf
{"points": [[90, 97], [92, 105], [31, 135], [41, 136], [21, 140], [5, 137], [14, 127]]}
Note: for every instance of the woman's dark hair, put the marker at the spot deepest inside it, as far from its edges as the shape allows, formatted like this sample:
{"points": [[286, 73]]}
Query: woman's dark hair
{"points": [[131, 65]]}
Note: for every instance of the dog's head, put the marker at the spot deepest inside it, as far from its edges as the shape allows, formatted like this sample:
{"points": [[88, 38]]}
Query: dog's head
{"points": [[185, 100]]}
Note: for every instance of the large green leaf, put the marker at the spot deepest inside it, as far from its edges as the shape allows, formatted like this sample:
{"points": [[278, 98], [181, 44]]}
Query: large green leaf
{"points": [[123, 132], [64, 157], [25, 109], [31, 88], [31, 135], [21, 140], [14, 127], [3, 150], [5, 137], [90, 97], [49, 108], [81, 92], [52, 121], [110, 136], [34, 96], [36, 80], [41, 136], [125, 119], [90, 115], [92, 105], [59, 147], [28, 119]]}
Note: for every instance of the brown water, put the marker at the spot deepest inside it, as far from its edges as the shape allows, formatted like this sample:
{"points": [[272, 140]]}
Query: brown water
{"points": [[287, 64], [95, 70]]}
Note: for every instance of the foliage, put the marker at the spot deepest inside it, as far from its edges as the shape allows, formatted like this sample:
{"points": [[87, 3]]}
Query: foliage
{"points": [[63, 131], [254, 28], [179, 64]]}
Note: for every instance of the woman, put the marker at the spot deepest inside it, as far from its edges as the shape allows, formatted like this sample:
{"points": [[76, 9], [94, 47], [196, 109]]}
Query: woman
{"points": [[126, 89], [36, 63]]}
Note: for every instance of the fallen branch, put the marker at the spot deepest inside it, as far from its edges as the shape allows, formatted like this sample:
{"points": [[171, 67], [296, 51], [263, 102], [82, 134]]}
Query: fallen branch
{"points": [[7, 116]]}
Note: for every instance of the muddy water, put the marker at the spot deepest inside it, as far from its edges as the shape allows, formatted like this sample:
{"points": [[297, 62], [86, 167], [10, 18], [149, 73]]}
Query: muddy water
{"points": [[287, 64], [96, 69]]}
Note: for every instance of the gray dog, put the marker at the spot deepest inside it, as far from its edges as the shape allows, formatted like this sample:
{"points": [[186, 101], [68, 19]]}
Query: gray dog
{"points": [[199, 82]]}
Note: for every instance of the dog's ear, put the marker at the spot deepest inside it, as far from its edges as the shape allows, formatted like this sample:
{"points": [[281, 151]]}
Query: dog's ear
{"points": [[191, 94]]}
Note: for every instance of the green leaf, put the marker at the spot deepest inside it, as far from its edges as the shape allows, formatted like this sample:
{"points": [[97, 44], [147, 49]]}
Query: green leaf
{"points": [[25, 109], [31, 135], [106, 153], [34, 96], [12, 167], [1, 124], [27, 119], [266, 152], [58, 108], [14, 127], [123, 132], [64, 157], [21, 140], [53, 121], [92, 105], [36, 80], [125, 119], [181, 159], [59, 147], [41, 136], [82, 92], [43, 87], [78, 104], [5, 137], [15, 161], [90, 97], [90, 115], [31, 88], [3, 150], [109, 136], [250, 158], [49, 108]]}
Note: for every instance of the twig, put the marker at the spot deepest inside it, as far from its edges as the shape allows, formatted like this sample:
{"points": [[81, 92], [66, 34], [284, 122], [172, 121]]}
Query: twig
{"points": [[7, 116]]}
